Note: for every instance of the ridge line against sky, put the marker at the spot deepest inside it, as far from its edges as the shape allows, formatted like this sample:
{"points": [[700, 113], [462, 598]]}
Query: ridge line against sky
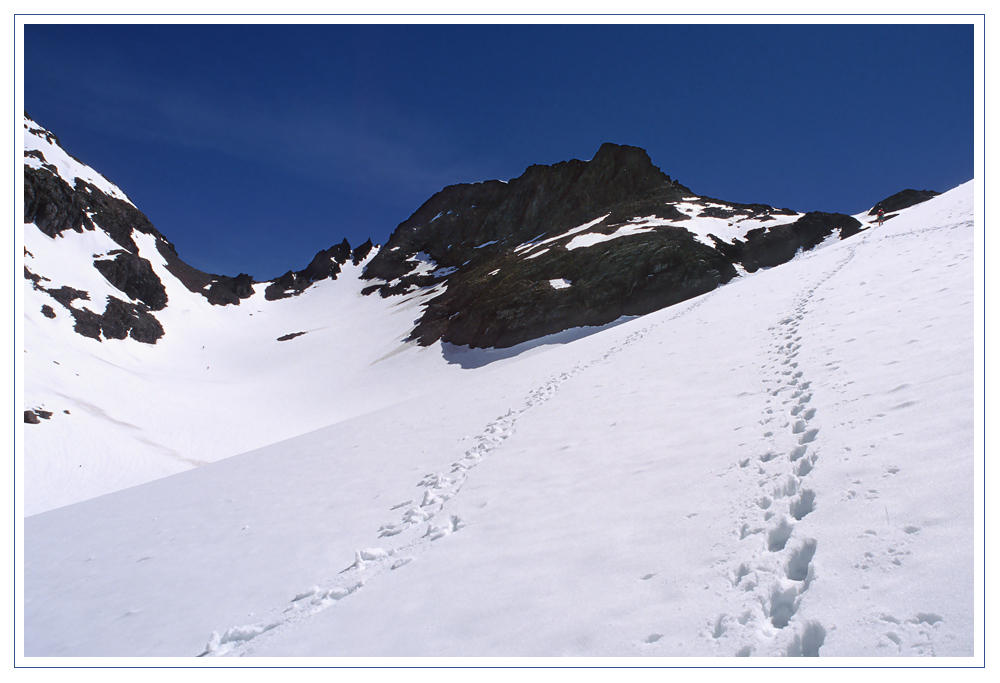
{"points": [[253, 146]]}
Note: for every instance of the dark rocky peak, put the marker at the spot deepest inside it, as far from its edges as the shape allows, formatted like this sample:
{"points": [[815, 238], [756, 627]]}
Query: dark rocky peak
{"points": [[577, 243], [55, 208], [361, 252], [468, 223], [902, 200], [624, 169], [326, 265]]}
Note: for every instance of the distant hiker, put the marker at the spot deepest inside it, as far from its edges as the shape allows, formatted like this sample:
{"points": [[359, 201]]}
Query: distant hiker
{"points": [[880, 215]]}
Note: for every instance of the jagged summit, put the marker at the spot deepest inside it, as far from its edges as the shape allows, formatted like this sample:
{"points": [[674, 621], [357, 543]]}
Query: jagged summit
{"points": [[326, 264], [544, 199], [578, 243]]}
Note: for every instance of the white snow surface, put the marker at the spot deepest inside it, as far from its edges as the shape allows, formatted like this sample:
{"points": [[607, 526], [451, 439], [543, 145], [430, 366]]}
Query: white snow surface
{"points": [[630, 228], [726, 229], [782, 467], [217, 384], [537, 242]]}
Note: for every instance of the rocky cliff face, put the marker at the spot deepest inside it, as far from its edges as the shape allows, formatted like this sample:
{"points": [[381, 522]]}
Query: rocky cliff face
{"points": [[578, 243]]}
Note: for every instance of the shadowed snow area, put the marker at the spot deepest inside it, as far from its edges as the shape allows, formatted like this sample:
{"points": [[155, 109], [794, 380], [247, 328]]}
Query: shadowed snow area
{"points": [[782, 467]]}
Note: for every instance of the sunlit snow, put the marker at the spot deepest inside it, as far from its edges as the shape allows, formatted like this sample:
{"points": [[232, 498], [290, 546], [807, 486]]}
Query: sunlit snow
{"points": [[781, 467]]}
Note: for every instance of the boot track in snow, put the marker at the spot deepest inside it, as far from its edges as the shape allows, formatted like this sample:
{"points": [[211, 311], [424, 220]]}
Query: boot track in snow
{"points": [[424, 519]]}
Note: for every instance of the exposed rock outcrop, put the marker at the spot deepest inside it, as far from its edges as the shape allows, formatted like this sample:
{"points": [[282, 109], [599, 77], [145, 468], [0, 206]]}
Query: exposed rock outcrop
{"points": [[134, 276], [563, 246], [902, 200], [771, 246], [326, 265]]}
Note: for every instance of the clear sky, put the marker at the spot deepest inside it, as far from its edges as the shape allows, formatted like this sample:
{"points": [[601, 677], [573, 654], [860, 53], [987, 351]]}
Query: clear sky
{"points": [[252, 147]]}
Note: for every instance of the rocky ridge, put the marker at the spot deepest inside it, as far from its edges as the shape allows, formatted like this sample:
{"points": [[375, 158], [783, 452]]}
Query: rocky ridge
{"points": [[577, 243], [62, 194]]}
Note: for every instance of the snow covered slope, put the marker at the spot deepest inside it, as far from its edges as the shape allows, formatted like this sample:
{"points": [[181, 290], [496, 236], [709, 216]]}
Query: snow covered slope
{"points": [[781, 467], [138, 366], [220, 381], [216, 380]]}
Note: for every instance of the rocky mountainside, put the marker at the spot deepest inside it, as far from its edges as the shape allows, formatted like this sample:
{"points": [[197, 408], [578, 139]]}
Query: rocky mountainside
{"points": [[62, 194], [579, 243]]}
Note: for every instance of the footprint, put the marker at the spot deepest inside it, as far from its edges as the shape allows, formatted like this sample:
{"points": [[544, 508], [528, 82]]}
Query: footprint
{"points": [[784, 603], [790, 488], [390, 530], [798, 563], [808, 643], [778, 536], [720, 627], [809, 436], [805, 467], [803, 505]]}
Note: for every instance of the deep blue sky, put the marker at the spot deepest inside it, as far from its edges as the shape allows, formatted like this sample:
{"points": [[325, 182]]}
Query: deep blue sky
{"points": [[253, 147]]}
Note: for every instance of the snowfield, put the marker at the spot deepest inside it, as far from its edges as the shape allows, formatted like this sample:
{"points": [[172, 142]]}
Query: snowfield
{"points": [[782, 467]]}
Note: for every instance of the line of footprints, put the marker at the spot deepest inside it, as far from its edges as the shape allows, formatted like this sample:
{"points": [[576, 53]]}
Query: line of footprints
{"points": [[423, 519], [770, 584], [767, 586], [779, 571]]}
